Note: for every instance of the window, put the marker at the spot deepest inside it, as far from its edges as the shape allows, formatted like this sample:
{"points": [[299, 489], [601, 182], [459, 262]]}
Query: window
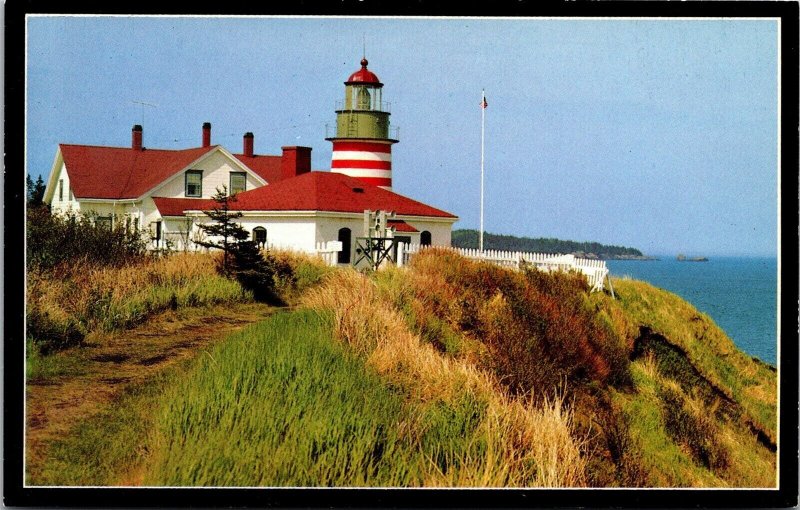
{"points": [[425, 238], [260, 237], [238, 182], [344, 237], [194, 183], [131, 224], [71, 195], [60, 190], [155, 231], [364, 98], [104, 222]]}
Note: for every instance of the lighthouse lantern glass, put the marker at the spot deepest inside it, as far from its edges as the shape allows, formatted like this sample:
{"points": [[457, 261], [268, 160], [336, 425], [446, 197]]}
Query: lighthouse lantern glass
{"points": [[363, 97]]}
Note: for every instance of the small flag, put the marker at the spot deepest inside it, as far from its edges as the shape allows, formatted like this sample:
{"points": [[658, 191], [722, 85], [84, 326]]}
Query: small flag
{"points": [[484, 104]]}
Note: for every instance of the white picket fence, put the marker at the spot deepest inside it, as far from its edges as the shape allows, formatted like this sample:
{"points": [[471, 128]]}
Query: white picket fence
{"points": [[329, 251], [595, 271]]}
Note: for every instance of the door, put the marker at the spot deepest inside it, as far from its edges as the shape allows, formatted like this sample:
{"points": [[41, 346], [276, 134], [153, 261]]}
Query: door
{"points": [[344, 237]]}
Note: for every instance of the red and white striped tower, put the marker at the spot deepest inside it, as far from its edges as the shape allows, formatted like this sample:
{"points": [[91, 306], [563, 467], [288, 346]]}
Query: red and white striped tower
{"points": [[362, 147]]}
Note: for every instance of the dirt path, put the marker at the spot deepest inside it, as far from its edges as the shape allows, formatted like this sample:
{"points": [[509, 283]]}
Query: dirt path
{"points": [[109, 363]]}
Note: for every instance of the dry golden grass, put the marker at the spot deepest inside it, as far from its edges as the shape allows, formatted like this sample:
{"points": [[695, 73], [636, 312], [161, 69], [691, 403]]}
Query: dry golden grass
{"points": [[80, 298], [650, 366], [525, 445]]}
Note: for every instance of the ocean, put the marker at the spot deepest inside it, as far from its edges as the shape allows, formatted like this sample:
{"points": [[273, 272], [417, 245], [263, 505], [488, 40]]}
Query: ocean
{"points": [[739, 293]]}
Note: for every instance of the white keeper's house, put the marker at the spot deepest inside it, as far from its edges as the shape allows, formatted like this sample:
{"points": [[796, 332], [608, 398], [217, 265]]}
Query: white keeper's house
{"points": [[283, 202]]}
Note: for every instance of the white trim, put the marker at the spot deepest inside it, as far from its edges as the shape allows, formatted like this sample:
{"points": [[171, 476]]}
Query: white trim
{"points": [[363, 172], [323, 214], [50, 190], [217, 148], [241, 164], [110, 200], [59, 161], [362, 155]]}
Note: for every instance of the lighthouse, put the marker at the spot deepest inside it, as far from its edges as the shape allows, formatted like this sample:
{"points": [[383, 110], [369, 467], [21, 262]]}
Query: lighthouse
{"points": [[362, 148]]}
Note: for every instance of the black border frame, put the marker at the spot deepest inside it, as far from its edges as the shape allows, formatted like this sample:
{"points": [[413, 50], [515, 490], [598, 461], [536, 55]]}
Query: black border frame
{"points": [[15, 494]]}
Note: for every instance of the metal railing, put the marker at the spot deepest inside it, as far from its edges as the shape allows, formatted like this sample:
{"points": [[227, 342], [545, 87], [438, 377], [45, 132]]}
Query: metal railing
{"points": [[383, 106], [331, 131]]}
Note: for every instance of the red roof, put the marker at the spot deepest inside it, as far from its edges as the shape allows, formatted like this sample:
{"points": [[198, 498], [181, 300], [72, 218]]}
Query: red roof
{"points": [[267, 167], [121, 173], [363, 75], [401, 226], [316, 191], [176, 206]]}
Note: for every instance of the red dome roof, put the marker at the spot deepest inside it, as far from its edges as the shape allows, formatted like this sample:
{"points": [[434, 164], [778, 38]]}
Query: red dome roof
{"points": [[363, 75]]}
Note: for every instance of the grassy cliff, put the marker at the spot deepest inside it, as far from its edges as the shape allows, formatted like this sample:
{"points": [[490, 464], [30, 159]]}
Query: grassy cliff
{"points": [[454, 373]]}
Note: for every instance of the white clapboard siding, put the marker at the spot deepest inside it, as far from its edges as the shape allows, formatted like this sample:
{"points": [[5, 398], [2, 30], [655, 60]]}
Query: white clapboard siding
{"points": [[595, 270]]}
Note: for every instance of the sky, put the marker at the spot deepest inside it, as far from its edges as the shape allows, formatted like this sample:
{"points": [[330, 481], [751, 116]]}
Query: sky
{"points": [[656, 134]]}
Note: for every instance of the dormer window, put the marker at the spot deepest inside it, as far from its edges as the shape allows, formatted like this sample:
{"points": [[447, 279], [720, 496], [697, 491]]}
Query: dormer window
{"points": [[194, 183], [238, 182]]}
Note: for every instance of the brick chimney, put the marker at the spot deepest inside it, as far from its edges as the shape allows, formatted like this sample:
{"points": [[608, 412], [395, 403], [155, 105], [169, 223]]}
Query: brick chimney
{"points": [[295, 161], [206, 134], [247, 144], [136, 137]]}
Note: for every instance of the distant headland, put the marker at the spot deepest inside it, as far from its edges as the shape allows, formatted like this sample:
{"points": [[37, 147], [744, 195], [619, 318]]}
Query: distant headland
{"points": [[468, 238]]}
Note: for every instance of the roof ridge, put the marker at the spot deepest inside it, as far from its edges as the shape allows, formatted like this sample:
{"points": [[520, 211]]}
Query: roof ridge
{"points": [[257, 155], [146, 149]]}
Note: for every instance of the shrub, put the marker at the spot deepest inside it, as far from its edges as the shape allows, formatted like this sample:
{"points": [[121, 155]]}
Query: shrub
{"points": [[255, 272], [296, 272], [53, 240], [52, 332], [539, 327]]}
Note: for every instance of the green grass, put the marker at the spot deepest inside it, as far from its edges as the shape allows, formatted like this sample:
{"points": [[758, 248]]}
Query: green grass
{"points": [[665, 463], [297, 273], [112, 314], [281, 404], [43, 367], [107, 448], [753, 385], [453, 438], [65, 305]]}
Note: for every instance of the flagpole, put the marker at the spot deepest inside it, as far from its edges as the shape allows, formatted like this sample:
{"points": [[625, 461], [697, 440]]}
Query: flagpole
{"points": [[483, 121]]}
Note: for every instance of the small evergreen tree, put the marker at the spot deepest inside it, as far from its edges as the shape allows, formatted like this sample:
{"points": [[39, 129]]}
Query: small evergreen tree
{"points": [[223, 227], [241, 257]]}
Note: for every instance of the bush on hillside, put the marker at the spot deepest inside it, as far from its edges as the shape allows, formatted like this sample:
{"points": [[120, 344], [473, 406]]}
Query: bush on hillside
{"points": [[296, 272], [255, 272], [53, 240], [538, 326]]}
